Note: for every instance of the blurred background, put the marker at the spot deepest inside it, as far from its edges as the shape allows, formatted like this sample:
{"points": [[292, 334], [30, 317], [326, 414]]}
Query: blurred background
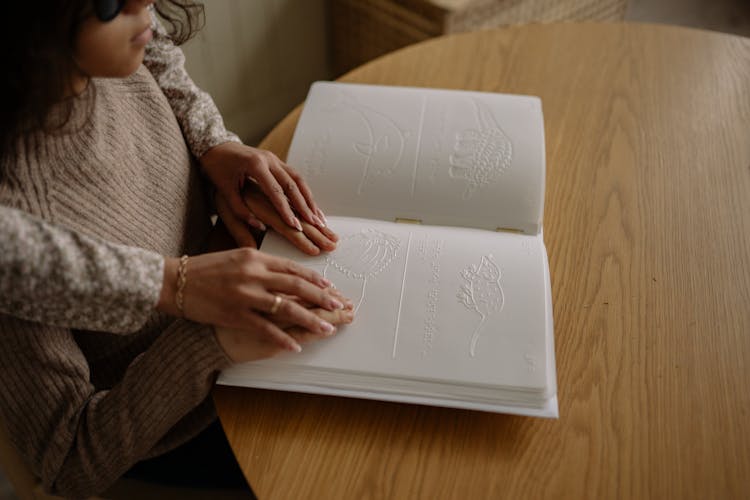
{"points": [[257, 58]]}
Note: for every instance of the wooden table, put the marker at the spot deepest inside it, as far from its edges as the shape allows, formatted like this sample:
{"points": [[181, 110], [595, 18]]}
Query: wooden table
{"points": [[647, 224]]}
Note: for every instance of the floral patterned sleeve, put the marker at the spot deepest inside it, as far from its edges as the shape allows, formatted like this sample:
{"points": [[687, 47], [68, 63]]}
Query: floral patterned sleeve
{"points": [[198, 116], [52, 275], [56, 276]]}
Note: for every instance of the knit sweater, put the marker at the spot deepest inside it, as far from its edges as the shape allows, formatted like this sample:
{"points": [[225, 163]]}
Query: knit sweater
{"points": [[56, 276], [83, 407]]}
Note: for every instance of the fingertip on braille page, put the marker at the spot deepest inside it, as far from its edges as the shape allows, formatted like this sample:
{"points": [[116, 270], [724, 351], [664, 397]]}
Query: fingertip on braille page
{"points": [[336, 304], [318, 222]]}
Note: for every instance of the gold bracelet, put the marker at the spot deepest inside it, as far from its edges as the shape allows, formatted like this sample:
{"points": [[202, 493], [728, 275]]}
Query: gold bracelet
{"points": [[181, 282]]}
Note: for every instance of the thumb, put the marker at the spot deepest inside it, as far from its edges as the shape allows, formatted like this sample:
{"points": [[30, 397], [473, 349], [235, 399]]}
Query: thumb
{"points": [[241, 234], [242, 212], [236, 226]]}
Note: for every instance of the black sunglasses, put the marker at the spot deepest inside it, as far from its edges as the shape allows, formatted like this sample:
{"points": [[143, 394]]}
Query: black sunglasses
{"points": [[106, 10]]}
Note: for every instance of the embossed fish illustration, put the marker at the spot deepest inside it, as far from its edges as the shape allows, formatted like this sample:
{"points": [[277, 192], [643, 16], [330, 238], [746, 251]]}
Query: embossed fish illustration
{"points": [[363, 255], [481, 293], [385, 143], [481, 155]]}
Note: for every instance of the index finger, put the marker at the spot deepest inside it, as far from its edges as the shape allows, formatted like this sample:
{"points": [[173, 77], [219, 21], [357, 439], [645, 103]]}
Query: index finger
{"points": [[288, 266], [306, 192], [275, 193], [294, 195]]}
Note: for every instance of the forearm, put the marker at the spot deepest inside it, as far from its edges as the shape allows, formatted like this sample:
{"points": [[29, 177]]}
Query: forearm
{"points": [[196, 112], [78, 437], [50, 274], [133, 421], [168, 295]]}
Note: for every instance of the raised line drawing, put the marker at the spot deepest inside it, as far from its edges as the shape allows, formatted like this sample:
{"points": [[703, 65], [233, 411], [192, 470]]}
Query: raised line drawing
{"points": [[314, 162], [401, 297], [419, 143], [386, 141], [481, 293], [363, 255], [481, 155]]}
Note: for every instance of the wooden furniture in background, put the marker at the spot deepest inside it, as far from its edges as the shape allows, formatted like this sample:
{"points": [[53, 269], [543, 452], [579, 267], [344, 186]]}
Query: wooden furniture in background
{"points": [[647, 225], [257, 58], [362, 30]]}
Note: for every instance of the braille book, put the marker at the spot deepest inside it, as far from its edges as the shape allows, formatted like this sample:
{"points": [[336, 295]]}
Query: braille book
{"points": [[437, 196]]}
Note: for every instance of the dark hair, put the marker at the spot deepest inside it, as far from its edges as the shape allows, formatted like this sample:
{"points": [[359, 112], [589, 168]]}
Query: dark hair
{"points": [[184, 19], [38, 43]]}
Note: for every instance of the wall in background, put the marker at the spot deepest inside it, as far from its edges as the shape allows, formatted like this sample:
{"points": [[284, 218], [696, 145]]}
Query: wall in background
{"points": [[730, 16], [257, 59]]}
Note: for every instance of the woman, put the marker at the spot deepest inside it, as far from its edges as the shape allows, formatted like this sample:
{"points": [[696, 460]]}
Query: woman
{"points": [[108, 159], [118, 292]]}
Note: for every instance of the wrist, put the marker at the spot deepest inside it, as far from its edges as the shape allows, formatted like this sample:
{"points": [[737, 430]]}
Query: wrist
{"points": [[213, 155], [227, 341], [167, 297]]}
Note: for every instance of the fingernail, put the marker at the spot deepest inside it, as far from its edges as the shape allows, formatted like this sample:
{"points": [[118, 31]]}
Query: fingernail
{"points": [[349, 316], [256, 223], [325, 282], [319, 222], [326, 327], [312, 250], [336, 304], [322, 215], [297, 224], [295, 347]]}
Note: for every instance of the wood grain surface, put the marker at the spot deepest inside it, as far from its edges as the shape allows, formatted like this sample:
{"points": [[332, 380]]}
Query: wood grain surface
{"points": [[647, 225]]}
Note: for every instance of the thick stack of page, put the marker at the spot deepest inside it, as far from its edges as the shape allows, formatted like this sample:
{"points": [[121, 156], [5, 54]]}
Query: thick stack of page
{"points": [[449, 310]]}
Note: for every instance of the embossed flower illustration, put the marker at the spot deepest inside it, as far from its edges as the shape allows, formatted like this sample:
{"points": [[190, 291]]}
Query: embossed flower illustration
{"points": [[481, 293], [481, 155], [363, 255]]}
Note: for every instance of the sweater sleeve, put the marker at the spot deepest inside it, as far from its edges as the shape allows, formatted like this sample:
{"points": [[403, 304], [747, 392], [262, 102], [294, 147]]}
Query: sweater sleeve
{"points": [[56, 276], [79, 440], [198, 116]]}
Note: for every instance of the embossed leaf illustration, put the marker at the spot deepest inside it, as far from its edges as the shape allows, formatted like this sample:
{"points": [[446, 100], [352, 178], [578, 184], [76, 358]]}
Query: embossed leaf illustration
{"points": [[383, 144], [481, 155], [482, 293], [364, 255]]}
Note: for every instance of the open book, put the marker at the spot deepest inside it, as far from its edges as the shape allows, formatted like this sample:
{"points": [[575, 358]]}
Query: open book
{"points": [[437, 196]]}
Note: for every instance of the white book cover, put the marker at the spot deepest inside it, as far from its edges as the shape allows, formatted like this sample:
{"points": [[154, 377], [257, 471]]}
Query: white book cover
{"points": [[454, 316]]}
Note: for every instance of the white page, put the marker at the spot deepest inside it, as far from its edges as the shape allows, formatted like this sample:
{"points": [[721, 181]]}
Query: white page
{"points": [[446, 157], [419, 308]]}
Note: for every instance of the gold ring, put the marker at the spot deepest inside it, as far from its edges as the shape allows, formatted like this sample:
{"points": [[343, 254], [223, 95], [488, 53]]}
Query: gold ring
{"points": [[277, 300]]}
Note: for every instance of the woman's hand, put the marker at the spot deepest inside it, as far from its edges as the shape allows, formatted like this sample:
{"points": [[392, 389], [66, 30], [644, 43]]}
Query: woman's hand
{"points": [[311, 240], [238, 289], [231, 166], [243, 346]]}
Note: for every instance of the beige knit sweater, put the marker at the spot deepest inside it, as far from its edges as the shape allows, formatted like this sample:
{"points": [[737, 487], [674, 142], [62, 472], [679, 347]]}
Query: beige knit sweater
{"points": [[81, 407], [56, 276]]}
